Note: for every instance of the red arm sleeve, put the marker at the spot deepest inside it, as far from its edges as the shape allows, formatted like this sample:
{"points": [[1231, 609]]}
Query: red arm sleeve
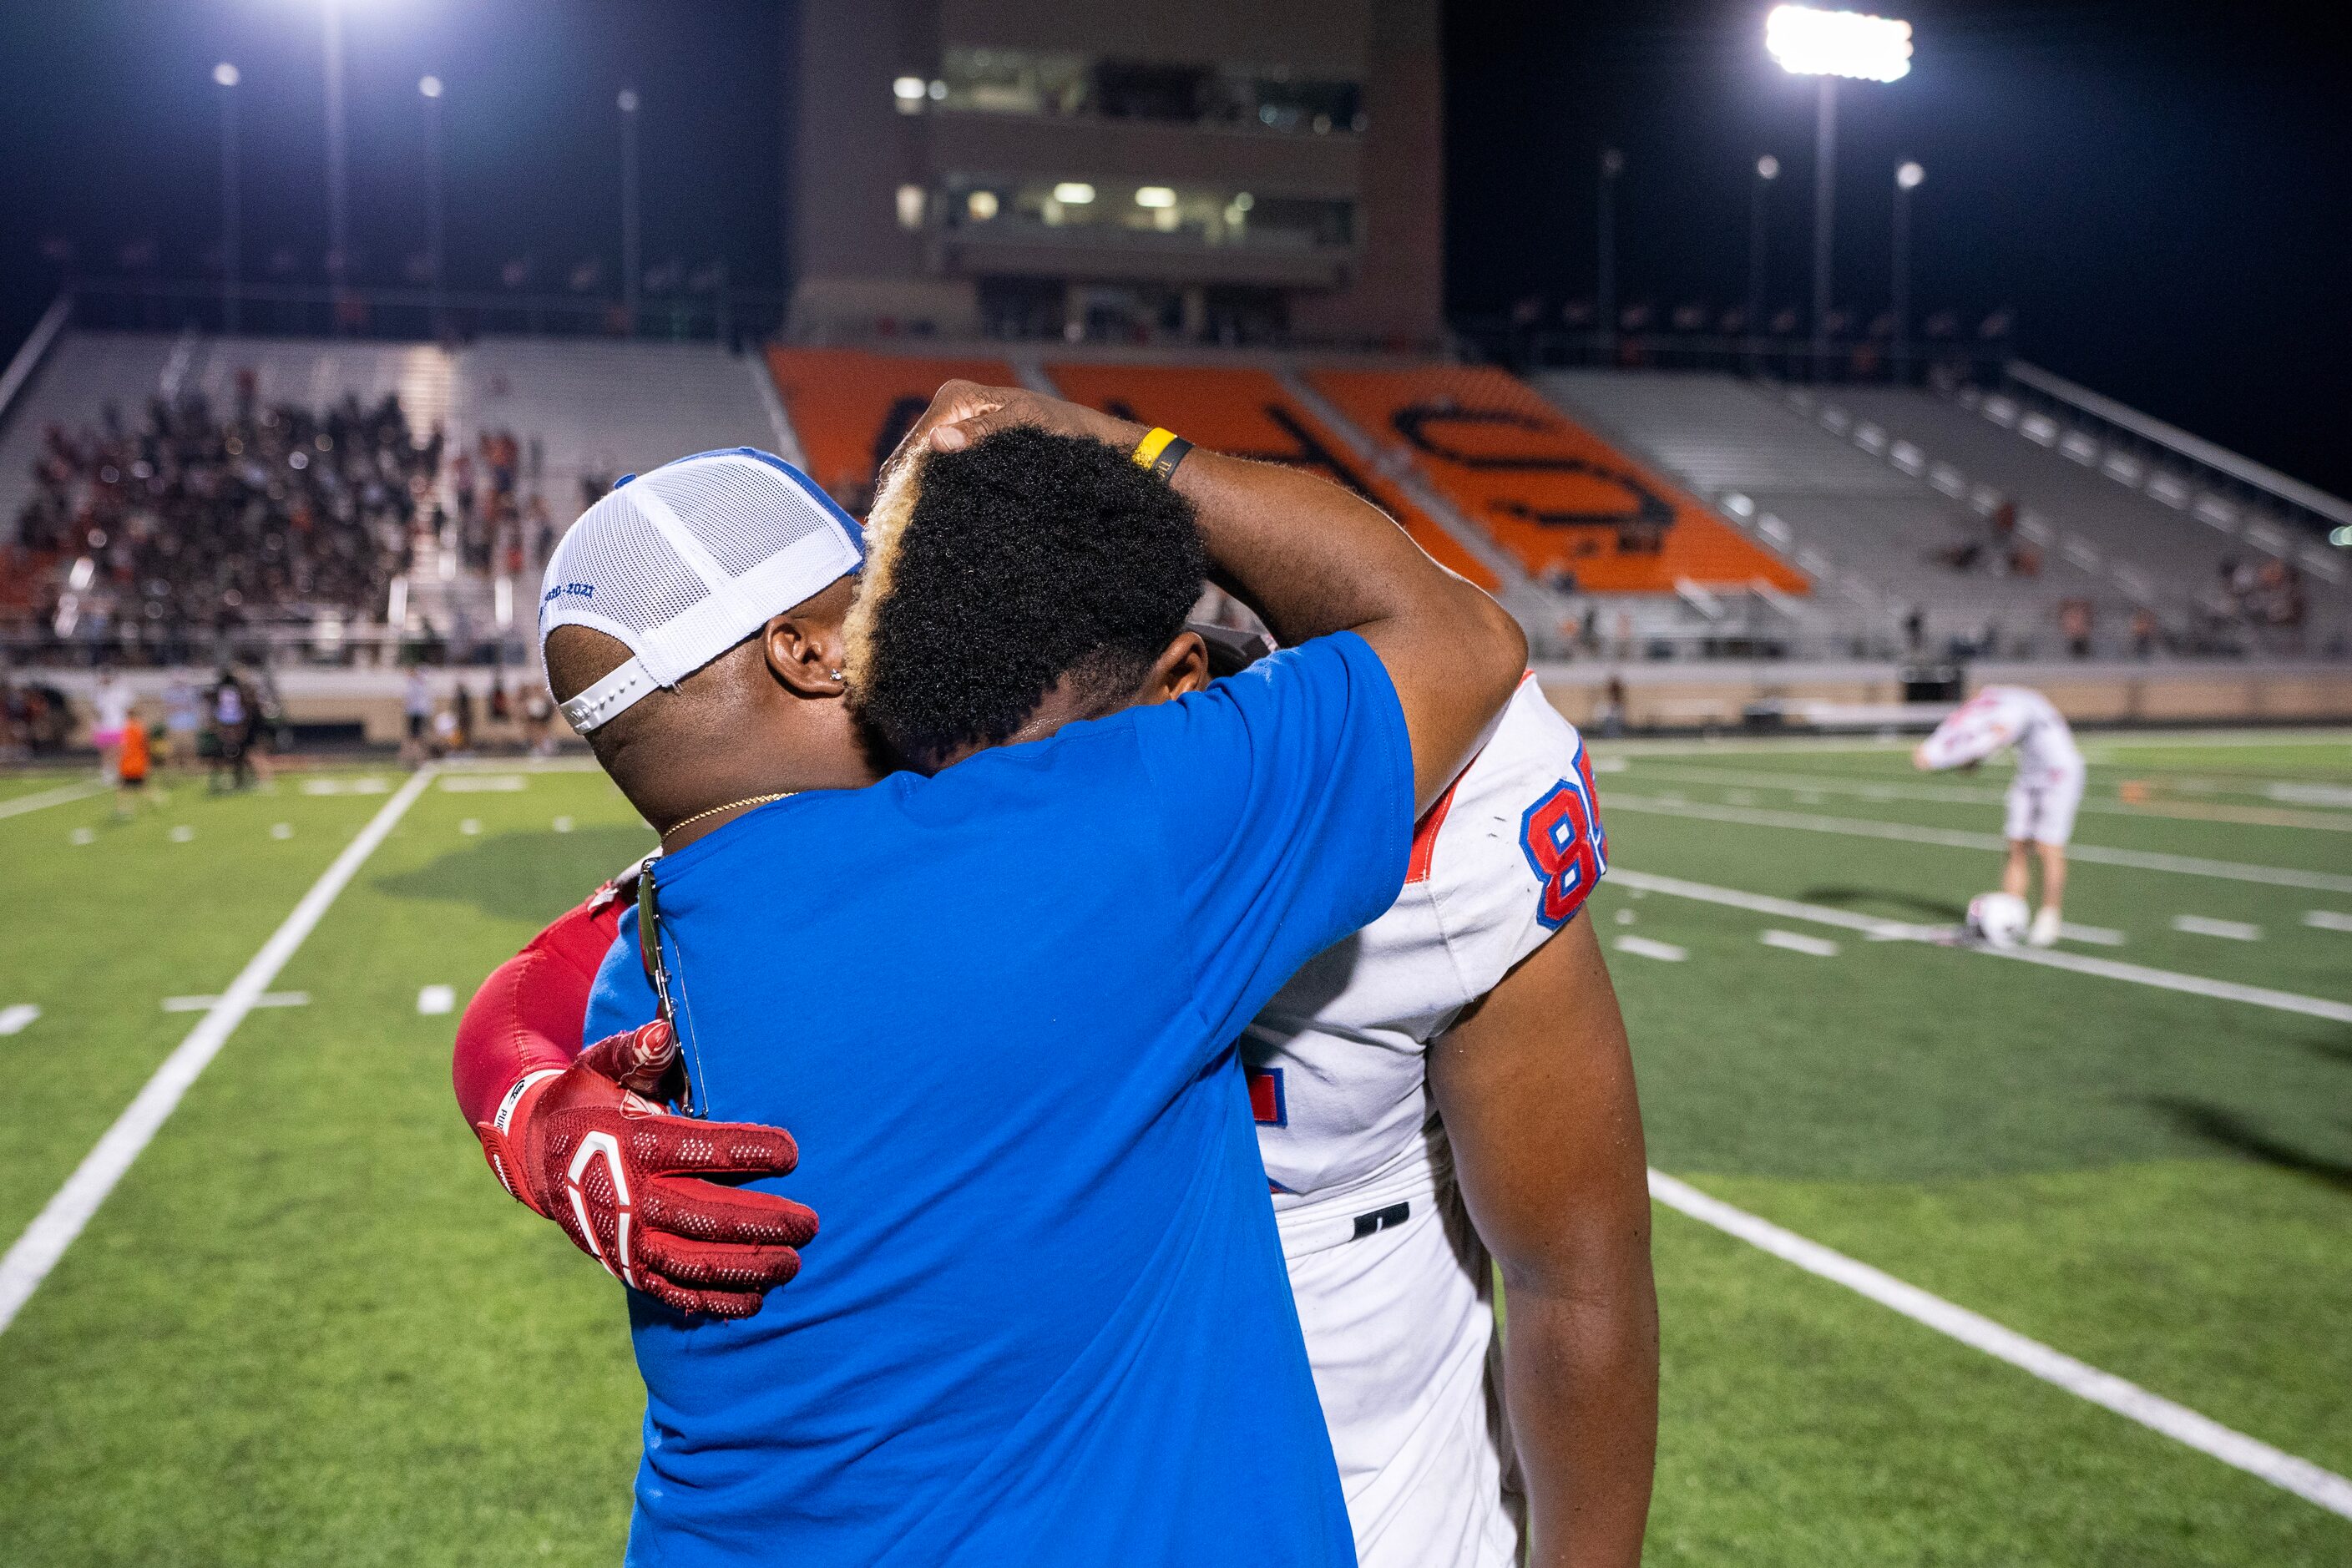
{"points": [[529, 1013]]}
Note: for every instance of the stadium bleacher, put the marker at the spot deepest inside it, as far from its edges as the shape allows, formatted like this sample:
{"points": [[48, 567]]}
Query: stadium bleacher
{"points": [[1575, 512], [1880, 535], [849, 407], [1246, 411]]}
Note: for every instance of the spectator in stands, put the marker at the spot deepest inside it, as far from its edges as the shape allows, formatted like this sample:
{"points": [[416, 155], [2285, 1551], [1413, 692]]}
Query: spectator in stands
{"points": [[416, 713], [2074, 623], [539, 720], [1613, 707], [183, 717], [2144, 631], [1914, 629], [462, 711]]}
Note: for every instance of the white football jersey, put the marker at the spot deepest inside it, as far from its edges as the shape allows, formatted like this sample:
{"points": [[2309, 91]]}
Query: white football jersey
{"points": [[1392, 1286], [2006, 716], [1501, 861]]}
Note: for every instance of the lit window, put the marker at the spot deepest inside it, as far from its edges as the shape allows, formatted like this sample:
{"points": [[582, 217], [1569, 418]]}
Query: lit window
{"points": [[938, 90], [910, 207], [909, 90], [1243, 201], [981, 205], [1155, 197], [1073, 192]]}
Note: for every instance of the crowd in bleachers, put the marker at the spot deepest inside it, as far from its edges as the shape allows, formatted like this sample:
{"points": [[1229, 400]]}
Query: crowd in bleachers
{"points": [[500, 526], [201, 520]]}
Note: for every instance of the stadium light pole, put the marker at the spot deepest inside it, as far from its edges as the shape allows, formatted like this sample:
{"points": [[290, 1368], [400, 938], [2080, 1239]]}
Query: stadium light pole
{"points": [[1907, 176], [429, 89], [629, 279], [1612, 163], [339, 235], [1830, 45], [225, 75], [1768, 170]]}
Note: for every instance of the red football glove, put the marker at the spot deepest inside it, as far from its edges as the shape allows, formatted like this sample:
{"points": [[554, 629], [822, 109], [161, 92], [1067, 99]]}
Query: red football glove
{"points": [[619, 1175]]}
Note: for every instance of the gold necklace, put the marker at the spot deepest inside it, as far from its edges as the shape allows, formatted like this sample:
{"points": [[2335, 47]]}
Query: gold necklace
{"points": [[730, 805]]}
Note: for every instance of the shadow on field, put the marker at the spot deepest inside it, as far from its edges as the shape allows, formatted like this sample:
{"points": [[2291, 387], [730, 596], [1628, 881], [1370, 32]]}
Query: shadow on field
{"points": [[529, 877], [1847, 898], [2229, 1131]]}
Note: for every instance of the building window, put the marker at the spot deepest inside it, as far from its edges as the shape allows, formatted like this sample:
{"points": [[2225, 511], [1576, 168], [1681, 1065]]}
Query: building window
{"points": [[1057, 84], [1033, 207], [911, 207]]}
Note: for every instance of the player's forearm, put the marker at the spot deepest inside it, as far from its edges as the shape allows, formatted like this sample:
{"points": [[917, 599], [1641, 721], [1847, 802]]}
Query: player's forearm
{"points": [[1580, 1381], [1313, 558], [529, 1013]]}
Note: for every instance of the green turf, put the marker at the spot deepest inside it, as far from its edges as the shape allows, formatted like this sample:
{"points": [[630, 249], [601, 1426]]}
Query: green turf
{"points": [[309, 1328]]}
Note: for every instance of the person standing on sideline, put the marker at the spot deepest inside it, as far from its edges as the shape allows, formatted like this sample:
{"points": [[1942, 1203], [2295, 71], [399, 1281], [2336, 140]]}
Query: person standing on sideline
{"points": [[2042, 797], [416, 708], [183, 717], [111, 710], [130, 768]]}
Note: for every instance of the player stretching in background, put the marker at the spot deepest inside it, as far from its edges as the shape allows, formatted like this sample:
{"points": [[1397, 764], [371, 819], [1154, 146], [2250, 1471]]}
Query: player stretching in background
{"points": [[2042, 797]]}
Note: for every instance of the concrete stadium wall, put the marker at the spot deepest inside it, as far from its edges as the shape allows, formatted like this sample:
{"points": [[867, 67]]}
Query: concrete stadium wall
{"points": [[1662, 695]]}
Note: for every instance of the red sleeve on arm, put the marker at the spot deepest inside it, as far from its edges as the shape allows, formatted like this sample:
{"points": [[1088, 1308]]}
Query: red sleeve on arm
{"points": [[529, 1013]]}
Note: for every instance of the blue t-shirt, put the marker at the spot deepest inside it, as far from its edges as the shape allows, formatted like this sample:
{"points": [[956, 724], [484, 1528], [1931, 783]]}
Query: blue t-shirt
{"points": [[1047, 1319]]}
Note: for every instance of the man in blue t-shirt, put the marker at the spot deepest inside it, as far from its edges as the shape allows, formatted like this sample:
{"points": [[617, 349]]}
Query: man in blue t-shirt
{"points": [[997, 1005]]}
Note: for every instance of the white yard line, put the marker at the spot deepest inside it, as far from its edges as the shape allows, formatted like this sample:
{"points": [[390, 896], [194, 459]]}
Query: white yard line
{"points": [[48, 798], [2049, 958], [206, 1003], [1963, 794], [1642, 947], [1797, 942], [17, 1017], [2327, 919], [2129, 1400], [35, 1253], [2206, 925], [1955, 838]]}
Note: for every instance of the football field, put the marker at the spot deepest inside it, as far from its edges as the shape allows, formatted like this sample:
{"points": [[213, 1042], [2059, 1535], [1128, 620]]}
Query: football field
{"points": [[1963, 1259]]}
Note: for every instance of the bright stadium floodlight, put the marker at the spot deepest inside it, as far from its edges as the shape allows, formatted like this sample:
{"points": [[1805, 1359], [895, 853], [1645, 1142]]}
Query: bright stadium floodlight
{"points": [[1073, 192], [909, 90], [1768, 167], [1908, 176], [1154, 196], [1810, 42], [225, 74], [430, 85], [1828, 44]]}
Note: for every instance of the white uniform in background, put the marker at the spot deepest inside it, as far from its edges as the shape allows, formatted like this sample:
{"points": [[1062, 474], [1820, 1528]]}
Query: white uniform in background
{"points": [[1393, 1288], [2048, 788]]}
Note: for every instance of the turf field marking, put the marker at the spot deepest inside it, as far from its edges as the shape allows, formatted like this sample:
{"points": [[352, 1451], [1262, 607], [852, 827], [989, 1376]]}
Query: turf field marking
{"points": [[81, 837], [483, 784], [471, 826], [14, 1017], [60, 795], [562, 825], [2098, 936], [2308, 794], [184, 834], [1955, 838], [28, 1262], [2127, 1399], [436, 999], [282, 830], [1878, 930], [2326, 919], [1642, 947], [1796, 941], [1809, 787], [2231, 931], [267, 999], [370, 785]]}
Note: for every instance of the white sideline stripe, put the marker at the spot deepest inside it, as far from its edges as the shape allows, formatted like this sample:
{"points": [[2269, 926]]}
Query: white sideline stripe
{"points": [[2098, 936], [1642, 947], [2080, 964], [18, 1017], [2127, 1399], [2327, 919], [1809, 787], [1795, 941], [369, 786], [35, 1253], [2205, 925], [267, 999], [48, 798], [483, 784], [1953, 838]]}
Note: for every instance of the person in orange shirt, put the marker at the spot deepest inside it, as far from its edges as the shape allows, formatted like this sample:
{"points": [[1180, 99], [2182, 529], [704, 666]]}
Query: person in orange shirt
{"points": [[131, 767]]}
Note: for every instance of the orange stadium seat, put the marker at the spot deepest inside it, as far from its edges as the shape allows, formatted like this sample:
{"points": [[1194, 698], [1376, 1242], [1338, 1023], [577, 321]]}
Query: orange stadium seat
{"points": [[1245, 411], [849, 408], [1555, 495]]}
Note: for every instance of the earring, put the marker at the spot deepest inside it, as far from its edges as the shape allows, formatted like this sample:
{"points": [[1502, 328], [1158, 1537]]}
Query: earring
{"points": [[834, 673]]}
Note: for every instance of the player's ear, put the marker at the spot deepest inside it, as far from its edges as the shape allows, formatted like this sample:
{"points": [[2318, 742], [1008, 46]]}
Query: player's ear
{"points": [[804, 653], [1182, 667]]}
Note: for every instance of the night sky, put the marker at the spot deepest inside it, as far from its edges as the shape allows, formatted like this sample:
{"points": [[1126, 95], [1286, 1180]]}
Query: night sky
{"points": [[2163, 191]]}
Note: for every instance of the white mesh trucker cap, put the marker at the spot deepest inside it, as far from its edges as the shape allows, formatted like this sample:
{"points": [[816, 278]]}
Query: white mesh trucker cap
{"points": [[684, 562]]}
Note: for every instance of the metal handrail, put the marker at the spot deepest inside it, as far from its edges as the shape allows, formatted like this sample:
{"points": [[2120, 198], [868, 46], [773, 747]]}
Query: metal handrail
{"points": [[36, 347]]}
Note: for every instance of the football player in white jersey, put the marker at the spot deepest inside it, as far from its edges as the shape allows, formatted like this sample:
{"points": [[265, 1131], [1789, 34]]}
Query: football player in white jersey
{"points": [[2042, 797], [1447, 1091]]}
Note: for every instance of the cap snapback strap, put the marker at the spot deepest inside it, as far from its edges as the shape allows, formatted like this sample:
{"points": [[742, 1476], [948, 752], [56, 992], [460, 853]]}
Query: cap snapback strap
{"points": [[610, 695]]}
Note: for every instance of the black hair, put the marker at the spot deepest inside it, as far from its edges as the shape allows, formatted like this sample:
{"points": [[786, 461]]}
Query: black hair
{"points": [[1001, 570]]}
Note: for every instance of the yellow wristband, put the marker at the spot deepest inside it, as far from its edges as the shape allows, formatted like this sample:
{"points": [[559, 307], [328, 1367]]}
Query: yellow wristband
{"points": [[1147, 451]]}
